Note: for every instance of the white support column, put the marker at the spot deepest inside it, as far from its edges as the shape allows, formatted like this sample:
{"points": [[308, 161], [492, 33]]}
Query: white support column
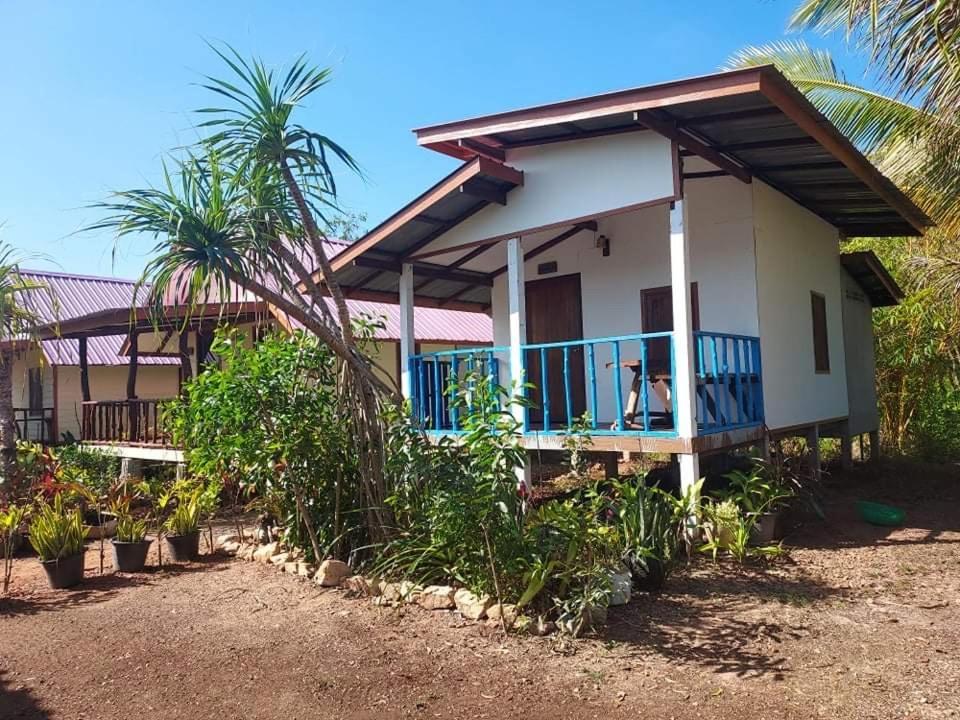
{"points": [[407, 336], [516, 297], [683, 382]]}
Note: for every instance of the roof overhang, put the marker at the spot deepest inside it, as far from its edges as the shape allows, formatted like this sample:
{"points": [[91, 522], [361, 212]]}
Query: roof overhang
{"points": [[880, 287], [116, 321], [749, 123]]}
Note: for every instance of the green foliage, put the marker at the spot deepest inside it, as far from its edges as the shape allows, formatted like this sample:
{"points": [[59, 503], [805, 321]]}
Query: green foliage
{"points": [[756, 492], [269, 420], [55, 531], [129, 528], [191, 501], [651, 523], [98, 471], [11, 519]]}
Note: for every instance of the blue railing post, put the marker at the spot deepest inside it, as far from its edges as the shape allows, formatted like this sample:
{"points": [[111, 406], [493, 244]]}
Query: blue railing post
{"points": [[717, 414], [544, 389], [737, 348], [454, 391], [644, 394], [725, 369], [617, 389], [592, 375], [567, 397]]}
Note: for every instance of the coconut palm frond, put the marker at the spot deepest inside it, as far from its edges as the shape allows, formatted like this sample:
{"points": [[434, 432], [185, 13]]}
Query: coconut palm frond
{"points": [[919, 150], [915, 44]]}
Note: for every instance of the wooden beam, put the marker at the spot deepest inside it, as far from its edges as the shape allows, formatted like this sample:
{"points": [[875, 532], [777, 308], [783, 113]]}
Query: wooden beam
{"points": [[552, 242], [132, 365], [767, 144], [731, 116], [476, 252], [485, 191], [393, 298], [668, 128], [789, 167], [438, 272], [84, 371], [705, 174], [481, 148]]}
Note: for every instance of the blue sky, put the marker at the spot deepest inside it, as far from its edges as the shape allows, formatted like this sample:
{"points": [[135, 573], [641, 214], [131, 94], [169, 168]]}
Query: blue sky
{"points": [[94, 93]]}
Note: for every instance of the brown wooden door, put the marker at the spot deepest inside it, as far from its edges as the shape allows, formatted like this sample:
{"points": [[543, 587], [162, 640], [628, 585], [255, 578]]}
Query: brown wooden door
{"points": [[656, 315], [554, 314]]}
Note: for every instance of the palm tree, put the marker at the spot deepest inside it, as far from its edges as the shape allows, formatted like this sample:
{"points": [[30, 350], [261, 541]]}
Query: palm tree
{"points": [[245, 207], [17, 323]]}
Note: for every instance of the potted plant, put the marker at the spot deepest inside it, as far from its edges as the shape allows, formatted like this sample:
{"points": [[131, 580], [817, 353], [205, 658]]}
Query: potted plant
{"points": [[182, 527], [57, 535], [130, 545], [761, 495]]}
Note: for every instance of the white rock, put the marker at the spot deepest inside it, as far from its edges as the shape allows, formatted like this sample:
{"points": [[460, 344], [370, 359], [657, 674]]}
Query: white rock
{"points": [[227, 538], [290, 568], [506, 612], [621, 584], [231, 548], [305, 569], [280, 558], [265, 552], [437, 597], [356, 585], [331, 572], [542, 626], [471, 606], [390, 592], [409, 592]]}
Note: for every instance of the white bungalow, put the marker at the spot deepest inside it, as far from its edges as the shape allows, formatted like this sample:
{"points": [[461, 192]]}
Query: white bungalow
{"points": [[666, 259]]}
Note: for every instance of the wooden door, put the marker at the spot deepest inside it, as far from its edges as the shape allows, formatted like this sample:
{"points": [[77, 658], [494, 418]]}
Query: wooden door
{"points": [[656, 315], [554, 314]]}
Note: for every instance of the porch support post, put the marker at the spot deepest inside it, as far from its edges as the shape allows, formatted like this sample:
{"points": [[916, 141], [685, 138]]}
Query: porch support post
{"points": [[132, 365], [516, 304], [683, 382], [812, 437], [874, 446], [186, 364], [84, 371], [407, 330]]}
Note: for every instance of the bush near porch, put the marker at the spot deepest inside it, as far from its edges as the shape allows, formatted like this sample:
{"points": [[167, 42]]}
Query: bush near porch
{"points": [[266, 422]]}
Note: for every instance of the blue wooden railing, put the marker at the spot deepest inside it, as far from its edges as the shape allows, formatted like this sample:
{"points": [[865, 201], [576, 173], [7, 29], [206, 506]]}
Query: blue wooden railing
{"points": [[729, 390], [623, 384]]}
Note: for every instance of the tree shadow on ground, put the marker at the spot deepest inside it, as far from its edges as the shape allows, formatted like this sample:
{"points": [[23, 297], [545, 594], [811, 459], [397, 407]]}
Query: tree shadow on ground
{"points": [[94, 589], [722, 617], [19, 702]]}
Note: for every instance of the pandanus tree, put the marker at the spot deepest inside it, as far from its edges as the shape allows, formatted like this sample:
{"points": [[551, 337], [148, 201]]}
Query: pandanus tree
{"points": [[246, 208], [18, 320]]}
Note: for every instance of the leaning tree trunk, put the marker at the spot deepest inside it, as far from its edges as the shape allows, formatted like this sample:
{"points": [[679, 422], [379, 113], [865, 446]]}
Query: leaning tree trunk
{"points": [[8, 428]]}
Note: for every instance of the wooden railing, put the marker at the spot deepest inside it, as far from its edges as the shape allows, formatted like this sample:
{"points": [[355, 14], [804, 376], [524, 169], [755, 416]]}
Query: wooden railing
{"points": [[34, 425], [620, 385], [131, 422]]}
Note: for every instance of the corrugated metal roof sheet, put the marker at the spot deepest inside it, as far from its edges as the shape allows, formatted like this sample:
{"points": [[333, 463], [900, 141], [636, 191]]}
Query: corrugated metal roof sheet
{"points": [[65, 296]]}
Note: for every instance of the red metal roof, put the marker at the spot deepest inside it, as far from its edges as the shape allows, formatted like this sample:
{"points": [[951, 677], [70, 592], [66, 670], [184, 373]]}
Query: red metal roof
{"points": [[66, 296]]}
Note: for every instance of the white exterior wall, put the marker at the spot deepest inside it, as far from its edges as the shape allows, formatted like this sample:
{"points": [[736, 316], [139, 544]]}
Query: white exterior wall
{"points": [[154, 382], [574, 180], [797, 252], [860, 360], [722, 265]]}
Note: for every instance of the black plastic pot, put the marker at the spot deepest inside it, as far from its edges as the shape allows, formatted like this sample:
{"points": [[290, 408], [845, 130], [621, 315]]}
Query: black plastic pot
{"points": [[183, 548], [130, 556], [65, 572], [651, 576]]}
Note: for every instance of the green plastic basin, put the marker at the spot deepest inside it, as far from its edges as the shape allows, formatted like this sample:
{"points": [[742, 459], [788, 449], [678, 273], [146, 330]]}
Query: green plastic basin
{"points": [[879, 514]]}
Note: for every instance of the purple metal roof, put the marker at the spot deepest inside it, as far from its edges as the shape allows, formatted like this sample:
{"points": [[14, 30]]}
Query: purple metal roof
{"points": [[429, 324], [66, 296]]}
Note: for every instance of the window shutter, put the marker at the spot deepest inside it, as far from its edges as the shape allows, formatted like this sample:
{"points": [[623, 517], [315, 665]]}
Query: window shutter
{"points": [[821, 350]]}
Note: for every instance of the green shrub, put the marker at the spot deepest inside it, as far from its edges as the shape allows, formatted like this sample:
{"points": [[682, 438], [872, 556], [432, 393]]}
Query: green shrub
{"points": [[55, 531]]}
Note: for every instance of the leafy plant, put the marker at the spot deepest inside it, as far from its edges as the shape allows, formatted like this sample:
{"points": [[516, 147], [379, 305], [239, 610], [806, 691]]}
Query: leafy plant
{"points": [[757, 492], [575, 441], [11, 519], [129, 528], [55, 531], [185, 518]]}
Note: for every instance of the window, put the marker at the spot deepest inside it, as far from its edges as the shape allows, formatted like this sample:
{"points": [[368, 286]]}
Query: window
{"points": [[35, 391], [821, 351]]}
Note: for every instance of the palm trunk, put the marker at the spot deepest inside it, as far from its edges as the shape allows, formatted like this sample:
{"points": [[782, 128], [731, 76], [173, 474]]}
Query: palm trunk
{"points": [[8, 428]]}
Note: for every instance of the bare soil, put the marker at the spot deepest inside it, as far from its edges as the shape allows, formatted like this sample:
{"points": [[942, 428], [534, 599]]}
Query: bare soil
{"points": [[860, 622]]}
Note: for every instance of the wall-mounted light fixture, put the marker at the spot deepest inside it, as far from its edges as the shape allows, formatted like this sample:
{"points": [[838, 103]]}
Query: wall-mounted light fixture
{"points": [[603, 242]]}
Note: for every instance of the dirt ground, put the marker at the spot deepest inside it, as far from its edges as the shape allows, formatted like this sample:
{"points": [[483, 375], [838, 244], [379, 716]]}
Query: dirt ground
{"points": [[859, 623]]}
